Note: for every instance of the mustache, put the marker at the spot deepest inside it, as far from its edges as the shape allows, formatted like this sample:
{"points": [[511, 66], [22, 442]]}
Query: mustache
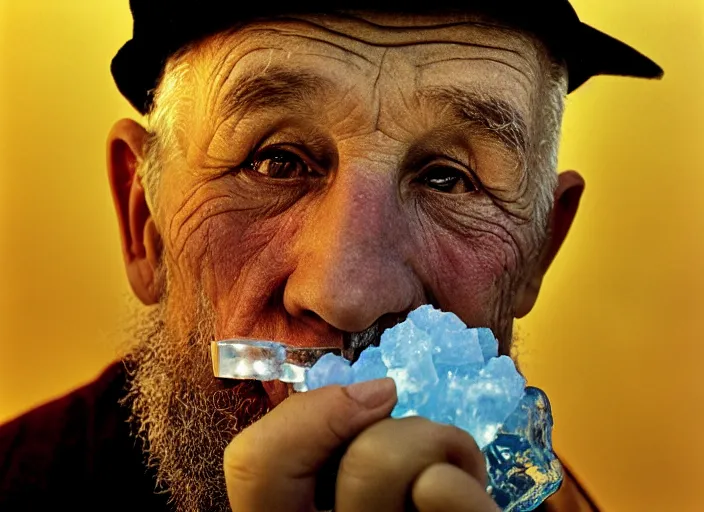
{"points": [[355, 342]]}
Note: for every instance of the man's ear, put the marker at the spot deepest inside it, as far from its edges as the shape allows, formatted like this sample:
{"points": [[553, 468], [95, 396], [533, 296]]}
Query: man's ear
{"points": [[141, 243], [567, 195]]}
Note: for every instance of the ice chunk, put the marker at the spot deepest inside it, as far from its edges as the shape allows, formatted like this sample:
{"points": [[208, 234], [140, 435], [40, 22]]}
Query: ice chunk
{"points": [[490, 399], [453, 343], [451, 374], [448, 398], [404, 343], [407, 352], [369, 366], [523, 470], [458, 348], [488, 344], [329, 369], [435, 322]]}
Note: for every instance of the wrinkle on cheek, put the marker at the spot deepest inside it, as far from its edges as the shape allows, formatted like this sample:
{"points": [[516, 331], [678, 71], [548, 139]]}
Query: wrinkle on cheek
{"points": [[218, 255], [195, 231], [482, 224], [192, 232], [239, 260], [252, 256], [238, 198], [473, 261], [248, 301]]}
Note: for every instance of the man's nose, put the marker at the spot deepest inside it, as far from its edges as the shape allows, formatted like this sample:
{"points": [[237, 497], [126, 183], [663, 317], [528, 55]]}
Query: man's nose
{"points": [[353, 259]]}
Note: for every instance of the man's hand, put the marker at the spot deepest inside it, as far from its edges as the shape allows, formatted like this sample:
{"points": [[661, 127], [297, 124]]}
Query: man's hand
{"points": [[273, 465]]}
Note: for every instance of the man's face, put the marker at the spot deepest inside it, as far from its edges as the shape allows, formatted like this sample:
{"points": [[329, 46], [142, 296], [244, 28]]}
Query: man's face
{"points": [[331, 173], [335, 174]]}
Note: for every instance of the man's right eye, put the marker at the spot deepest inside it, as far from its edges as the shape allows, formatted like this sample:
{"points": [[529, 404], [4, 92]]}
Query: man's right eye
{"points": [[279, 163]]}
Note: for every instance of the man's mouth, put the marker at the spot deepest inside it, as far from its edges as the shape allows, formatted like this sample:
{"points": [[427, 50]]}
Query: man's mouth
{"points": [[282, 363], [354, 343]]}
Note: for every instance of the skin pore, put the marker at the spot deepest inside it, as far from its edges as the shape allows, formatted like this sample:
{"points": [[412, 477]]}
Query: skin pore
{"points": [[327, 173]]}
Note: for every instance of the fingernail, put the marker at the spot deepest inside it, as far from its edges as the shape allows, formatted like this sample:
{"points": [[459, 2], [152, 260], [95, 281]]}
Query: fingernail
{"points": [[372, 393]]}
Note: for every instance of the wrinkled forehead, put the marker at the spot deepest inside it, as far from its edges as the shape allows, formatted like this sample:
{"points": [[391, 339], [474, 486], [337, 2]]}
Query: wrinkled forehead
{"points": [[323, 53]]}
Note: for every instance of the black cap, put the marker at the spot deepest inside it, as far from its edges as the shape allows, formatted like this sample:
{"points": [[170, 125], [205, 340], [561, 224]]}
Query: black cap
{"points": [[162, 27]]}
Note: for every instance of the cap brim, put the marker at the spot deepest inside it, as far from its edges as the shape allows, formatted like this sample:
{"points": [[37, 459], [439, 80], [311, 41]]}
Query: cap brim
{"points": [[598, 53]]}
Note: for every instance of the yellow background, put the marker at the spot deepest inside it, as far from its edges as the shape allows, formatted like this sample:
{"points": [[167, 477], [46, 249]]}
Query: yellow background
{"points": [[614, 340]]}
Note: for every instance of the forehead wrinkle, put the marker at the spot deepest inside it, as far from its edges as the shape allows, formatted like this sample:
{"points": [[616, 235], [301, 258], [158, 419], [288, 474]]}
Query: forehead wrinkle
{"points": [[219, 86], [386, 36], [211, 62], [256, 29], [468, 19], [223, 68], [227, 56], [329, 43], [391, 36], [495, 37], [422, 67], [338, 59], [226, 65], [285, 30], [452, 59]]}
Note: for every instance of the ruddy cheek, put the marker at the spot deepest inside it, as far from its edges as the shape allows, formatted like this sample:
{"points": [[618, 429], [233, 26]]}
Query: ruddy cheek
{"points": [[470, 274], [221, 225], [245, 268]]}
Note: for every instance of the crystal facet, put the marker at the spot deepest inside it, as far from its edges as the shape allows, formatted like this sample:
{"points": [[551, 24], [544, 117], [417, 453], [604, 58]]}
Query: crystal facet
{"points": [[522, 467], [369, 366], [329, 369], [451, 374]]}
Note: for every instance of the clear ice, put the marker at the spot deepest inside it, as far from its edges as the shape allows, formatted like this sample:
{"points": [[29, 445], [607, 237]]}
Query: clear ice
{"points": [[451, 374]]}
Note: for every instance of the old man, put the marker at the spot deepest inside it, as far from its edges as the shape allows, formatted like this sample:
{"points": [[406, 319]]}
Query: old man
{"points": [[310, 175]]}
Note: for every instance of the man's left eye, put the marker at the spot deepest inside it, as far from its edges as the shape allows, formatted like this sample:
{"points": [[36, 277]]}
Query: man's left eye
{"points": [[278, 163], [448, 180]]}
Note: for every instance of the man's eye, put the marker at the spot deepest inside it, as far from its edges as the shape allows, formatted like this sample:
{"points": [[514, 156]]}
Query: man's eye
{"points": [[448, 180], [280, 164]]}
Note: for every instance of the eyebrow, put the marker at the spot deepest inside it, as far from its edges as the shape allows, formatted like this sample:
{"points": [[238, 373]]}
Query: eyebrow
{"points": [[496, 118], [284, 88], [277, 87]]}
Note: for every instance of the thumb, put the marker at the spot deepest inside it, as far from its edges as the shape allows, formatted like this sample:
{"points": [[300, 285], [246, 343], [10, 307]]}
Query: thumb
{"points": [[273, 463]]}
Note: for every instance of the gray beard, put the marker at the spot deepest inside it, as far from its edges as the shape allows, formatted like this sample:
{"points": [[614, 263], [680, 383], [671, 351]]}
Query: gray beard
{"points": [[184, 417]]}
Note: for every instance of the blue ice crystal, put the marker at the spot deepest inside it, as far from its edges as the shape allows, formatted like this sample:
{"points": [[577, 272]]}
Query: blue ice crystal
{"points": [[369, 366], [451, 374], [522, 468], [329, 369]]}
